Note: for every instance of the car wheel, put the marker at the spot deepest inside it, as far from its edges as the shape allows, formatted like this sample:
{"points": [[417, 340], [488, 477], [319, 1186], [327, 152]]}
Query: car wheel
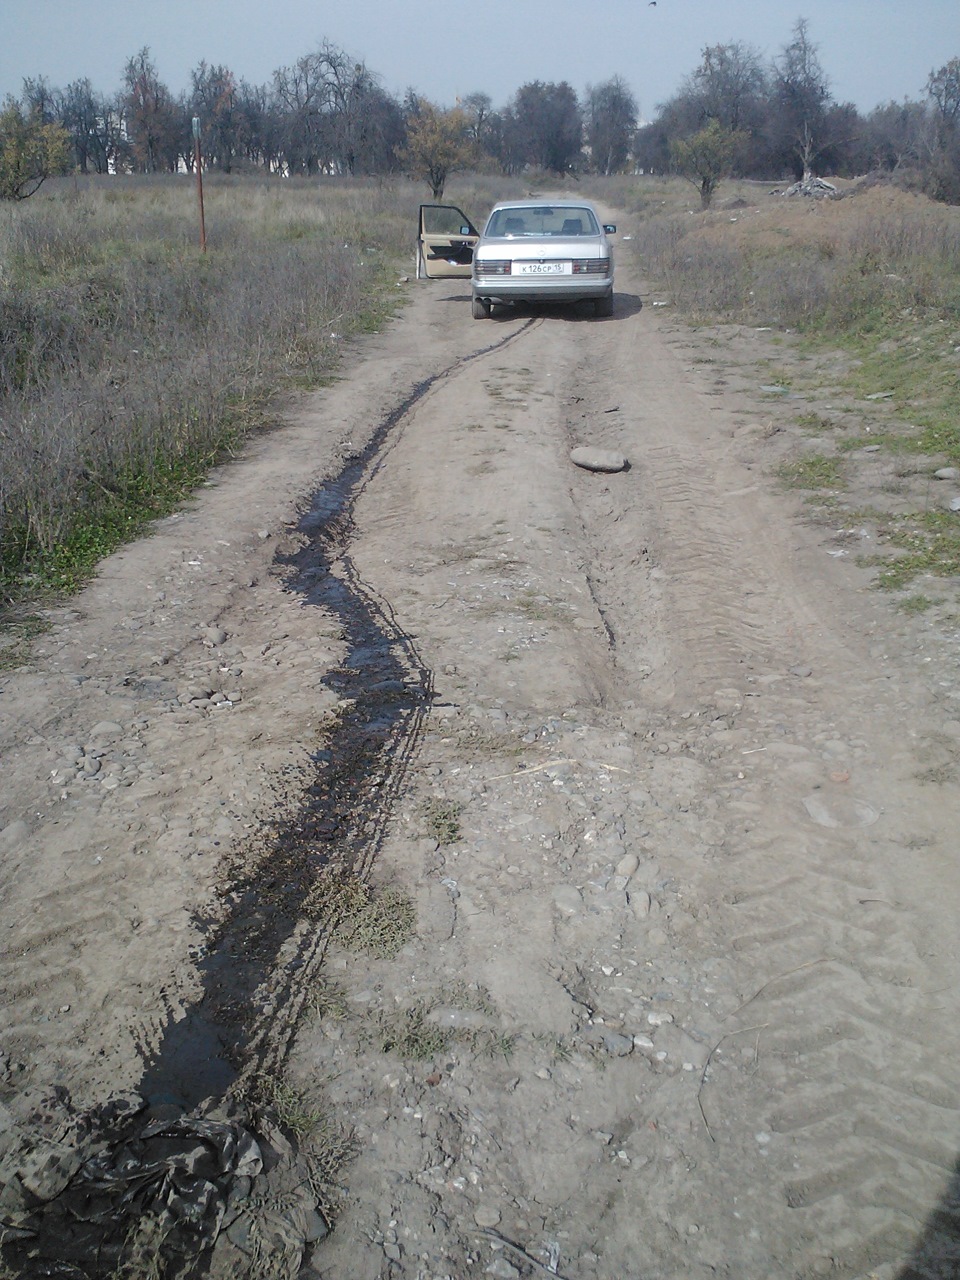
{"points": [[603, 307], [480, 309], [419, 262]]}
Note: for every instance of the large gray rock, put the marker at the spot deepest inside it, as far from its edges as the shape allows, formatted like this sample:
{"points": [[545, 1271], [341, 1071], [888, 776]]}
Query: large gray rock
{"points": [[593, 459]]}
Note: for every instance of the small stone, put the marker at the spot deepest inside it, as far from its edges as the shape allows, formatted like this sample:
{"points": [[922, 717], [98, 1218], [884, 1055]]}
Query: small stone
{"points": [[801, 672], [640, 905], [486, 1215], [106, 729], [954, 504], [593, 459], [567, 899], [628, 865], [657, 1019], [501, 1268], [947, 473], [617, 1045]]}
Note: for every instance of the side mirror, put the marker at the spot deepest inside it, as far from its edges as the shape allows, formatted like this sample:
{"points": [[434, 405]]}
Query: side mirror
{"points": [[610, 228]]}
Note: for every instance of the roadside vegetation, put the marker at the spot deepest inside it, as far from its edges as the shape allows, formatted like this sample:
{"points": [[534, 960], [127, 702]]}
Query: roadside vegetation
{"points": [[130, 362], [874, 278]]}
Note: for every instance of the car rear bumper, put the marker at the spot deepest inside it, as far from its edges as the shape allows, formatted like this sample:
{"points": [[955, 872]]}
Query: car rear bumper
{"points": [[562, 289]]}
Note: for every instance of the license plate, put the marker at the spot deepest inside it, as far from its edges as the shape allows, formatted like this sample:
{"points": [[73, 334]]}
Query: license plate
{"points": [[543, 268]]}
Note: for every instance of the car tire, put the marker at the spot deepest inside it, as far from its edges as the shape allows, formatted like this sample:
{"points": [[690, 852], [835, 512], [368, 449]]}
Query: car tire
{"points": [[420, 271], [480, 309], [603, 307]]}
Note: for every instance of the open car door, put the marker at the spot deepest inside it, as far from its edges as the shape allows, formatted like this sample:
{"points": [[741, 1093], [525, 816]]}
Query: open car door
{"points": [[445, 242]]}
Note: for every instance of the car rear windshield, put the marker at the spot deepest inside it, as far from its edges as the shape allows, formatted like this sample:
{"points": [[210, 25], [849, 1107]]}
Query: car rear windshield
{"points": [[545, 220]]}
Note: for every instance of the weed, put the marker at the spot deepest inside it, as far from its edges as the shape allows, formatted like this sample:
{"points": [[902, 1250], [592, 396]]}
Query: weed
{"points": [[815, 423], [16, 640], [330, 1147], [409, 1033], [928, 542], [294, 1113], [915, 604], [328, 1001], [816, 471], [378, 923], [938, 775], [442, 819]]}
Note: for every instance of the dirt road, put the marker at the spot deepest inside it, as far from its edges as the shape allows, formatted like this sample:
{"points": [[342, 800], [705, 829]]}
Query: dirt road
{"points": [[670, 786]]}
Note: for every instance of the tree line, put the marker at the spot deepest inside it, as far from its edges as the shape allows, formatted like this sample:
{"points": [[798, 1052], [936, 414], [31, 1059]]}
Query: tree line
{"points": [[734, 115]]}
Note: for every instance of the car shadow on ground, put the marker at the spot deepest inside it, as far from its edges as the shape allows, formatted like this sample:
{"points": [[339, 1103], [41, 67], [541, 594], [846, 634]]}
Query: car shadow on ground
{"points": [[936, 1255], [624, 305]]}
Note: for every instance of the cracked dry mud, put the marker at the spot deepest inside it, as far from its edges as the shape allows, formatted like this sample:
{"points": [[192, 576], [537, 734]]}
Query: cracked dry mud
{"points": [[671, 788]]}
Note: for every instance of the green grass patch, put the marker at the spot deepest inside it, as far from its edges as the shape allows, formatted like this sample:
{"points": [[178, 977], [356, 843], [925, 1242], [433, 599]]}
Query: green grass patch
{"points": [[817, 471], [441, 818], [915, 604], [815, 423], [928, 543]]}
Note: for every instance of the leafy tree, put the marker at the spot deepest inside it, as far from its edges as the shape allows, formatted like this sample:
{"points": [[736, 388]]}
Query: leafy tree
{"points": [[611, 124], [438, 143], [706, 157], [547, 126], [30, 151]]}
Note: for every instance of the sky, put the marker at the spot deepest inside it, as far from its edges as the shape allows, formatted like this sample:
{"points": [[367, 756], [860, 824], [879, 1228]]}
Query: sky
{"points": [[872, 51]]}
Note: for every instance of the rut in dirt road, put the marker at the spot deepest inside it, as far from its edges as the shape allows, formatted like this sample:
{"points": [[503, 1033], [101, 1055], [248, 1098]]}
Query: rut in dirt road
{"points": [[681, 1000], [702, 902], [266, 954]]}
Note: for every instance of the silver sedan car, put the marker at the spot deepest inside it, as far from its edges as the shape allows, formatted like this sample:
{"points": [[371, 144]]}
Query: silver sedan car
{"points": [[530, 251]]}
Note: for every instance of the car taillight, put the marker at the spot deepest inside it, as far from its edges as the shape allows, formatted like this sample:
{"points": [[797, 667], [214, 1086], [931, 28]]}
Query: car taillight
{"points": [[492, 267], [591, 266]]}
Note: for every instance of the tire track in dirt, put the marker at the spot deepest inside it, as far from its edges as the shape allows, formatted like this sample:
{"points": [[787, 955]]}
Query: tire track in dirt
{"points": [[831, 963]]}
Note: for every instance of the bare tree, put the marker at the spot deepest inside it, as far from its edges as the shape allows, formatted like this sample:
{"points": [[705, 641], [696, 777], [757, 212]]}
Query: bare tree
{"points": [[942, 161], [214, 99], [801, 97], [86, 118], [154, 125], [730, 85]]}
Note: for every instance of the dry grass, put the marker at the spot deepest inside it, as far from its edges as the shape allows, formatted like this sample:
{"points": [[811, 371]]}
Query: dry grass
{"points": [[830, 266]]}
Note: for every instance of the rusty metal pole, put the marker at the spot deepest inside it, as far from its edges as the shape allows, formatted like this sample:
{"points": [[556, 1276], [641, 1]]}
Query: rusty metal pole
{"points": [[198, 165]]}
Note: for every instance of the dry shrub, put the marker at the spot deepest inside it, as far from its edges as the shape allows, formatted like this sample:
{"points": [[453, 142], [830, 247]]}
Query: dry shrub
{"points": [[832, 265]]}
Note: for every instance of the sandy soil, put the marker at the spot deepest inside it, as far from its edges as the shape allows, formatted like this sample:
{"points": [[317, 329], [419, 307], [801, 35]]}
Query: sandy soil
{"points": [[672, 789]]}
